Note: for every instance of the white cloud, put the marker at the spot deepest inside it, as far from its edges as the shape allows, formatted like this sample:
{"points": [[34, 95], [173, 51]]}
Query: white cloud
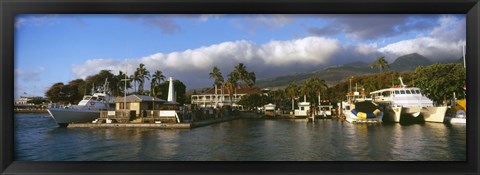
{"points": [[366, 49], [91, 67], [310, 50], [196, 63], [32, 75], [445, 41]]}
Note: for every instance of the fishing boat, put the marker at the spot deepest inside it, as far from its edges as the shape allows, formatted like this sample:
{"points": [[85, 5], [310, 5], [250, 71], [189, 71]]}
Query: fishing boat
{"points": [[402, 103], [359, 109], [87, 110]]}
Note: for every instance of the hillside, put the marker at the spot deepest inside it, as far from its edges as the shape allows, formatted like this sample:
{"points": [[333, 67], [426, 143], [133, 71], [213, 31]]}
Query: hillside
{"points": [[335, 74], [409, 62]]}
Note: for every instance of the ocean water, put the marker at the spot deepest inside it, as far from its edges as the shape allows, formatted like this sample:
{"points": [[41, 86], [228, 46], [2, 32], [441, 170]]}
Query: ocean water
{"points": [[38, 138]]}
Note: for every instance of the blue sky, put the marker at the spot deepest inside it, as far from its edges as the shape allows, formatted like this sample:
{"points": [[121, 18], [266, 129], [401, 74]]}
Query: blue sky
{"points": [[60, 48]]}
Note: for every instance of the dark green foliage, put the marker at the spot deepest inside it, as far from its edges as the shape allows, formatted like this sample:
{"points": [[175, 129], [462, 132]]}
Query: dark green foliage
{"points": [[253, 100], [439, 81], [179, 90], [71, 93]]}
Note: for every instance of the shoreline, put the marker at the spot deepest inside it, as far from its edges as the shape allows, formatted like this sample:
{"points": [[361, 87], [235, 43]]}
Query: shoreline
{"points": [[189, 125]]}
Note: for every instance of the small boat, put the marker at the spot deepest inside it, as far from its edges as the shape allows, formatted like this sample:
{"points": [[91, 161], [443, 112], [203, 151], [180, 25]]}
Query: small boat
{"points": [[270, 110], [359, 109], [407, 104], [87, 110], [456, 114]]}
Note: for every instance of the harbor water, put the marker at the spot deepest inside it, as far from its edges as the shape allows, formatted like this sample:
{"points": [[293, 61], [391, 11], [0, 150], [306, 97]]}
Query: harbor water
{"points": [[38, 138]]}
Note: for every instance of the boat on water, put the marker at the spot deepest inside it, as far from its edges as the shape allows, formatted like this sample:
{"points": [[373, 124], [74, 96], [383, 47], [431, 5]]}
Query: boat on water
{"points": [[359, 109], [87, 110], [407, 104], [457, 114]]}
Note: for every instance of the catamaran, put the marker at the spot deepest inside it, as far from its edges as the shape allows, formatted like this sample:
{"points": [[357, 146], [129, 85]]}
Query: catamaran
{"points": [[402, 103]]}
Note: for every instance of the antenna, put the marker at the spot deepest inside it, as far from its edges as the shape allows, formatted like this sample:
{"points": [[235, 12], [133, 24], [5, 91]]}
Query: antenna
{"points": [[463, 52], [401, 82]]}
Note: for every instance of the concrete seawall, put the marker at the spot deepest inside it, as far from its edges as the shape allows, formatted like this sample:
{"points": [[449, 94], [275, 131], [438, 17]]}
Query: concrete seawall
{"points": [[189, 125], [153, 125]]}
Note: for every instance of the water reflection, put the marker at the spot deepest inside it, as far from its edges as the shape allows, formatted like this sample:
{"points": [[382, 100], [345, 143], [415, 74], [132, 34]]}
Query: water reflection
{"points": [[243, 140]]}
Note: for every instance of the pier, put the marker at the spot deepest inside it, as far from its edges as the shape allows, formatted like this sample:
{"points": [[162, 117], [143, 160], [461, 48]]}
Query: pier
{"points": [[188, 125]]}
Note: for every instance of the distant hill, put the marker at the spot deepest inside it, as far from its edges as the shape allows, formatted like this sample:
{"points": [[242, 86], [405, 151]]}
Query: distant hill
{"points": [[335, 74], [409, 62], [331, 75]]}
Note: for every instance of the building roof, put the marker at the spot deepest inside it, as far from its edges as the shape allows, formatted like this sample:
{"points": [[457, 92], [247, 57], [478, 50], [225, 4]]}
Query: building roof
{"points": [[137, 98], [246, 90]]}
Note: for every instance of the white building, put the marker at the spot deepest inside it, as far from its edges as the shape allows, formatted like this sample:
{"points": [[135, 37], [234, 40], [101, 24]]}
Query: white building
{"points": [[210, 99]]}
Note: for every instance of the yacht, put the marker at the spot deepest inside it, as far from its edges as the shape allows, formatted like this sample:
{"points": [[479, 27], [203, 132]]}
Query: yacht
{"points": [[359, 109], [87, 110], [402, 103]]}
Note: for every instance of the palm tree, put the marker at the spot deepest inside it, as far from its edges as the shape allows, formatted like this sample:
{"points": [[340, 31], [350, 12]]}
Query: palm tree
{"points": [[157, 78], [143, 74], [248, 78], [381, 63], [292, 92], [217, 75], [312, 87], [121, 84], [135, 78], [231, 85]]}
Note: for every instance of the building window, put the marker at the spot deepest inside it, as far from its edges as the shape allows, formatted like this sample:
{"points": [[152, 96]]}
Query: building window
{"points": [[122, 105]]}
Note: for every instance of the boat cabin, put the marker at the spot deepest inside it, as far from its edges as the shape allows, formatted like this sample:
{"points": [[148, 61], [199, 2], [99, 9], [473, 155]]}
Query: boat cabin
{"points": [[402, 96]]}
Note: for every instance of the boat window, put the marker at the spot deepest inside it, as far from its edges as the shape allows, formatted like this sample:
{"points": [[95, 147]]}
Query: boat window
{"points": [[386, 93], [100, 98], [418, 91], [402, 91], [397, 92], [408, 91]]}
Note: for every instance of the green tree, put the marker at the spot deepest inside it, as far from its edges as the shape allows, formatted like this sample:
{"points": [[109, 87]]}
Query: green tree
{"points": [[157, 78], [75, 90], [98, 80], [121, 83], [312, 87], [381, 63], [142, 74], [439, 81], [240, 72], [56, 93], [179, 90], [252, 101], [217, 76], [292, 91], [231, 85]]}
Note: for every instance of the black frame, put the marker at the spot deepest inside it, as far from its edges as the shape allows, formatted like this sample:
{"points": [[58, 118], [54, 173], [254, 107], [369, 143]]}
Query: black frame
{"points": [[9, 8]]}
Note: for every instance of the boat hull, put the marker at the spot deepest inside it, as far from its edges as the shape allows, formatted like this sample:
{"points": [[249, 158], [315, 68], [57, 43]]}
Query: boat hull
{"points": [[434, 114], [66, 116], [423, 114]]}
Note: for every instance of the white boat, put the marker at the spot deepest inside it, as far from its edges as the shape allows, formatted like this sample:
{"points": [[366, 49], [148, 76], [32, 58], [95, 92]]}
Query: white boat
{"points": [[87, 110], [402, 103], [359, 109]]}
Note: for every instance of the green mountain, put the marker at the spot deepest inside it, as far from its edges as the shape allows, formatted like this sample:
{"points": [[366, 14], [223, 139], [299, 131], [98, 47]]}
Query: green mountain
{"points": [[336, 74], [331, 75], [409, 62]]}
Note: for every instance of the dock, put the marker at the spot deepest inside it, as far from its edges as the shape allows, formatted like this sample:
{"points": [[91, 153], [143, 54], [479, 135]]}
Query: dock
{"points": [[188, 125]]}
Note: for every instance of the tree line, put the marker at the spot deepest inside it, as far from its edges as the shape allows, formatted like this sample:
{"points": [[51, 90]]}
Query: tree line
{"points": [[438, 82], [73, 91]]}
